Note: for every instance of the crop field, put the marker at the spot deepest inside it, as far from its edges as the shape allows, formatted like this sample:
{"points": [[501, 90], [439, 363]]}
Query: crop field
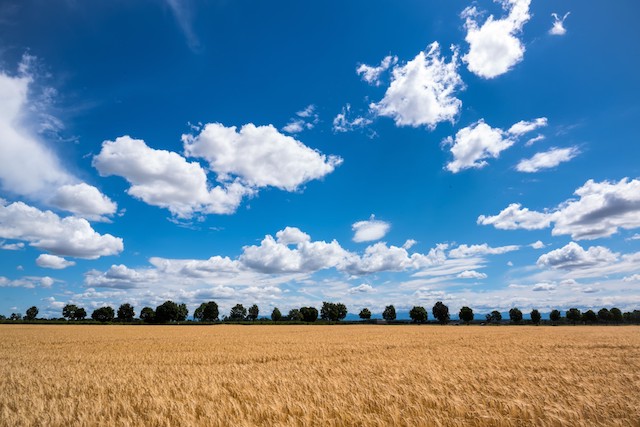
{"points": [[319, 375]]}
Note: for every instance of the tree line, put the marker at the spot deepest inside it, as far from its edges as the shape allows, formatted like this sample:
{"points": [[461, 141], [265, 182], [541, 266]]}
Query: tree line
{"points": [[171, 312]]}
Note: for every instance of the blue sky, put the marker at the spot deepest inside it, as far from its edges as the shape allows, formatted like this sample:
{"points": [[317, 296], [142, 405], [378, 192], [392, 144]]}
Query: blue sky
{"points": [[479, 153]]}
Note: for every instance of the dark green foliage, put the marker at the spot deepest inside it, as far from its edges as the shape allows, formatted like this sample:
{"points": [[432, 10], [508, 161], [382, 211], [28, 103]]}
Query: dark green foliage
{"points": [[148, 315], [294, 315], [574, 315], [616, 315], [515, 315], [81, 313], [15, 316], [466, 314], [69, 311], [535, 317], [365, 314], [604, 315], [169, 311], [555, 315], [494, 317], [32, 312], [103, 314], [441, 312], [389, 313], [276, 316], [333, 311], [254, 311], [589, 316], [238, 312], [309, 314], [207, 312], [418, 314], [126, 313]]}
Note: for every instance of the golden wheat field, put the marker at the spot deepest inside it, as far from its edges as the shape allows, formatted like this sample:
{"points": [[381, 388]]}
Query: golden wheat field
{"points": [[359, 375]]}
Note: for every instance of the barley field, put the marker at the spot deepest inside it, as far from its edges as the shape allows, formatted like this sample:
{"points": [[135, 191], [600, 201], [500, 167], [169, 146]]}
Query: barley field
{"points": [[358, 375]]}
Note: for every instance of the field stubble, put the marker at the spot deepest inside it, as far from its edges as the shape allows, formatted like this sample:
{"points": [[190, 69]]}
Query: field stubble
{"points": [[319, 375]]}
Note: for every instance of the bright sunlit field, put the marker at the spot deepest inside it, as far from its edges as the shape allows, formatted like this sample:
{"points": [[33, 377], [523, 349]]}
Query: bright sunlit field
{"points": [[319, 375]]}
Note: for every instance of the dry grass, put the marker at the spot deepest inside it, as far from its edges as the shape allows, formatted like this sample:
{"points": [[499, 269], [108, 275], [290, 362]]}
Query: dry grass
{"points": [[319, 375]]}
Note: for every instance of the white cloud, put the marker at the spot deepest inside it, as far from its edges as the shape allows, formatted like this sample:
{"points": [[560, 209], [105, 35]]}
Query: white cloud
{"points": [[543, 287], [166, 179], [409, 244], [471, 274], [371, 74], [557, 28], [361, 289], [514, 217], [533, 140], [342, 122], [292, 236], [465, 251], [475, 143], [537, 245], [494, 47], [524, 127], [633, 278], [422, 91], [53, 261], [600, 211], [305, 119], [258, 156], [183, 12], [380, 257], [370, 230], [29, 282], [18, 246], [84, 200], [547, 159], [119, 277], [573, 256], [635, 237], [69, 236]]}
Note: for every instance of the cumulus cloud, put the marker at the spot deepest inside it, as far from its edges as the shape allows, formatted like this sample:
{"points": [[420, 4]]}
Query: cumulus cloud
{"points": [[305, 119], [573, 256], [380, 257], [84, 200], [361, 289], [166, 179], [343, 123], [557, 29], [471, 274], [119, 277], [537, 245], [53, 261], [409, 244], [474, 144], [69, 236], [524, 127], [543, 287], [547, 159], [494, 47], [258, 156], [28, 165], [371, 74], [28, 282], [370, 230], [18, 246], [602, 208], [422, 91], [466, 251]]}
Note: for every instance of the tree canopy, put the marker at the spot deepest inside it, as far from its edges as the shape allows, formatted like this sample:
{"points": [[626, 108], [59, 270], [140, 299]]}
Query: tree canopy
{"points": [[441, 312]]}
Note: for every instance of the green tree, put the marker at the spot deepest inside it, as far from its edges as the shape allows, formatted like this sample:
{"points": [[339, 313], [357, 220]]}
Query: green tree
{"points": [[294, 315], [441, 312], [515, 315], [126, 313], [494, 317], [147, 315], [15, 316], [254, 311], [418, 314], [616, 315], [389, 313], [276, 316], [535, 317], [574, 315], [238, 312], [103, 314], [309, 314], [365, 314], [604, 315], [466, 314], [32, 312], [555, 315], [333, 311], [207, 312], [589, 316], [169, 311], [69, 311], [81, 313]]}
